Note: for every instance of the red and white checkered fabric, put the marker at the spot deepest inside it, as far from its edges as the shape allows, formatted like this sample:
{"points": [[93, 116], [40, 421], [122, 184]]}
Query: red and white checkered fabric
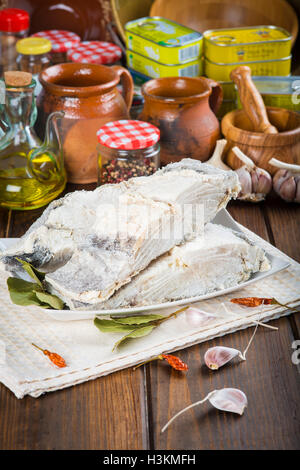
{"points": [[128, 135], [95, 52], [61, 40]]}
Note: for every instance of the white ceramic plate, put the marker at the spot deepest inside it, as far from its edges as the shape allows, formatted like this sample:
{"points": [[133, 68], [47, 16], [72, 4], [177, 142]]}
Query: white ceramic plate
{"points": [[222, 218]]}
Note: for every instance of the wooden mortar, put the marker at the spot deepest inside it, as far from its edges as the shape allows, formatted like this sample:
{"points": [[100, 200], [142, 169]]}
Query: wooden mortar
{"points": [[261, 133]]}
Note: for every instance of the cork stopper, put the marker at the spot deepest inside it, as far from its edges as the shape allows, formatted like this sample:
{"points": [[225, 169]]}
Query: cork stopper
{"points": [[16, 78]]}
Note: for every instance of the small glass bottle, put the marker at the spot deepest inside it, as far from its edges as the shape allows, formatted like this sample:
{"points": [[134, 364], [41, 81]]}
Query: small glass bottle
{"points": [[33, 57], [61, 42], [14, 25], [31, 172], [127, 149]]}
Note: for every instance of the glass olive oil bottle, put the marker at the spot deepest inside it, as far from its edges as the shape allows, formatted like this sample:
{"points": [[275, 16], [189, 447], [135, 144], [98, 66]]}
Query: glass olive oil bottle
{"points": [[31, 172]]}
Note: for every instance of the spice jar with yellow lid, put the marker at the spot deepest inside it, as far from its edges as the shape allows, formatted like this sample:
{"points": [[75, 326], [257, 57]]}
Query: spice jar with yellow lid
{"points": [[33, 57], [127, 149]]}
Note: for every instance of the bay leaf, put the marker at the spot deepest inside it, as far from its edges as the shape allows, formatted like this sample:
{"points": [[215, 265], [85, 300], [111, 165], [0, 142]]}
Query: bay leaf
{"points": [[137, 333], [22, 292], [111, 326], [36, 275], [52, 300], [137, 319]]}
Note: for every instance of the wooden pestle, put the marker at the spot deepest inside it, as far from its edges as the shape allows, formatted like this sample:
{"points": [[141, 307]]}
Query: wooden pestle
{"points": [[251, 100]]}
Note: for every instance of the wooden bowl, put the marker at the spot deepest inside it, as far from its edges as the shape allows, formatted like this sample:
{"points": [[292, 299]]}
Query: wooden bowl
{"points": [[202, 15], [284, 146], [127, 10]]}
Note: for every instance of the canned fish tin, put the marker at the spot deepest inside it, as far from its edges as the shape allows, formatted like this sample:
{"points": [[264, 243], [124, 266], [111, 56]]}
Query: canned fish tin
{"points": [[221, 71], [156, 69], [163, 40], [226, 107], [281, 92], [247, 44], [229, 90]]}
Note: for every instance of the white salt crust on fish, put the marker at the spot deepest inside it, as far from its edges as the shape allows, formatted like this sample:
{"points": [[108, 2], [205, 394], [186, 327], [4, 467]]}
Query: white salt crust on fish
{"points": [[219, 259], [93, 242]]}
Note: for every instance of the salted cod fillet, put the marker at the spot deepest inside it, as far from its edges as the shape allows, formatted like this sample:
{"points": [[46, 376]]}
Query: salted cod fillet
{"points": [[219, 259], [91, 243]]}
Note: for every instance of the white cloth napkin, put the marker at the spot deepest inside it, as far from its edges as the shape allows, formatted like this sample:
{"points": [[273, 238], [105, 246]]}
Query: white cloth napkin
{"points": [[88, 352]]}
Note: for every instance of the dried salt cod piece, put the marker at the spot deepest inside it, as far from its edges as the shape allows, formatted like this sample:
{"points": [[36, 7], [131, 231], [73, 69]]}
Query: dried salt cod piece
{"points": [[218, 259], [89, 253]]}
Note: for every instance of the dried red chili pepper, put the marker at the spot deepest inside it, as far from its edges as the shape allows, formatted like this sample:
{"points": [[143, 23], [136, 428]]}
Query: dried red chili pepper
{"points": [[173, 361], [56, 359], [253, 301]]}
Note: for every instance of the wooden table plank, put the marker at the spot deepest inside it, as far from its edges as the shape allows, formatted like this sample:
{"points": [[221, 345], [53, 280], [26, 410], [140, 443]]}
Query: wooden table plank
{"points": [[284, 220], [268, 378], [107, 413]]}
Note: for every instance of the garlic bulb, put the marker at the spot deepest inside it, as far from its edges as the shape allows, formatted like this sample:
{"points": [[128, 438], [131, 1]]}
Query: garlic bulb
{"points": [[232, 400], [286, 181], [256, 182]]}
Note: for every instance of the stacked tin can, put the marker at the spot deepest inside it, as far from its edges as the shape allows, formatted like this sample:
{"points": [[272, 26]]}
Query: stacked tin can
{"points": [[265, 49], [157, 47]]}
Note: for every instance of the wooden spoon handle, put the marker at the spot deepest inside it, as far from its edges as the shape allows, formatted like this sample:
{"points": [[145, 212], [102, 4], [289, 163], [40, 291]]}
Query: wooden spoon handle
{"points": [[251, 100]]}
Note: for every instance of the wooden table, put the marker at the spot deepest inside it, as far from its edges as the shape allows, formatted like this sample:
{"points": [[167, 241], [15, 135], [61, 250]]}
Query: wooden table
{"points": [[127, 409]]}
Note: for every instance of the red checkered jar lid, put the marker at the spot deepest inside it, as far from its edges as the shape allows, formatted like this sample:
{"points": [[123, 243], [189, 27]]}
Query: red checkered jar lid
{"points": [[95, 52], [128, 135], [61, 40]]}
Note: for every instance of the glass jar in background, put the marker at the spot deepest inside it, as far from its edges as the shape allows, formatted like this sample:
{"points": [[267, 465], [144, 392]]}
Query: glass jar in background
{"points": [[33, 57], [14, 25], [61, 41], [127, 149], [95, 52]]}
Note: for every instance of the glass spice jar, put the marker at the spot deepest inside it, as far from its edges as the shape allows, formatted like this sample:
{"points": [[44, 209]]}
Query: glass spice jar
{"points": [[61, 41], [95, 52], [33, 57], [14, 25], [127, 149]]}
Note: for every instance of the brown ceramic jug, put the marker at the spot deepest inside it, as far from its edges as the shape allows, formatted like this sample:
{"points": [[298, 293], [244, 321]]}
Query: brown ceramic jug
{"points": [[88, 96], [183, 109]]}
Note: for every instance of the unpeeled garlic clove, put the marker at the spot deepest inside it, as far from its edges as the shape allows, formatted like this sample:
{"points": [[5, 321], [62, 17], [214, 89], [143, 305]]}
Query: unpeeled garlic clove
{"points": [[229, 399], [226, 399], [217, 356]]}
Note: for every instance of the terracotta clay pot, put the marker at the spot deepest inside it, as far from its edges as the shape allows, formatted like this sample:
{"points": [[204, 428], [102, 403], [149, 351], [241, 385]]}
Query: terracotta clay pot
{"points": [[89, 98], [183, 109]]}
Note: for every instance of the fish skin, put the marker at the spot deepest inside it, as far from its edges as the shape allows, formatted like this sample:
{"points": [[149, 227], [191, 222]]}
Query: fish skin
{"points": [[219, 259], [62, 240]]}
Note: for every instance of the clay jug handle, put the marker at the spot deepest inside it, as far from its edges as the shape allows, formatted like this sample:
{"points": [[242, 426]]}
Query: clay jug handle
{"points": [[127, 82], [251, 100], [216, 97]]}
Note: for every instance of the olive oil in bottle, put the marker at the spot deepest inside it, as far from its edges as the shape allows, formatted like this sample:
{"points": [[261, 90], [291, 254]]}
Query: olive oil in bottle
{"points": [[31, 172]]}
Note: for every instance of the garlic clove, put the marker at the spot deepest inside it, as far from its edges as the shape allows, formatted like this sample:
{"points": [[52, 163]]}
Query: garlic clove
{"points": [[226, 399], [278, 179], [217, 356], [196, 317], [255, 182], [288, 189], [264, 183], [245, 180], [229, 399], [297, 196]]}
